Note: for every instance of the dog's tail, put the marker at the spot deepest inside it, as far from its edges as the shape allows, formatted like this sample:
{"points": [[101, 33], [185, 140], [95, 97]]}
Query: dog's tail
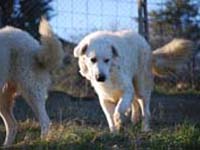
{"points": [[171, 57], [51, 52]]}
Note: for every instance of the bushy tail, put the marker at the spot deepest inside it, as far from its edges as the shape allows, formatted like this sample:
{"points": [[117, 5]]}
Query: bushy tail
{"points": [[169, 58], [51, 53]]}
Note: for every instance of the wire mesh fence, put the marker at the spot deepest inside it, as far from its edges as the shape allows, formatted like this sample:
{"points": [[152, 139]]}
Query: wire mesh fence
{"points": [[74, 18]]}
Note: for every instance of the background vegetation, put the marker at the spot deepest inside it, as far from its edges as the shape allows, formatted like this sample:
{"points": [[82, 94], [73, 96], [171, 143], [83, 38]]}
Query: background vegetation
{"points": [[78, 121], [25, 15]]}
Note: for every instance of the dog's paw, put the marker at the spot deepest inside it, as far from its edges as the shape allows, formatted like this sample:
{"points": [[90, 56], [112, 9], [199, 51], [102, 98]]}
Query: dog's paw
{"points": [[114, 130], [45, 129], [118, 120], [135, 119]]}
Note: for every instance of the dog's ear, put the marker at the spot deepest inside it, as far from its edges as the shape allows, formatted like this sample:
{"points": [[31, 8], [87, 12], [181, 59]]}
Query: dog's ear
{"points": [[83, 68], [114, 51], [80, 50]]}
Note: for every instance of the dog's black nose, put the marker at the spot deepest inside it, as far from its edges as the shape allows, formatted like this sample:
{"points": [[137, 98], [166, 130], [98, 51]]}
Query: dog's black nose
{"points": [[100, 78]]}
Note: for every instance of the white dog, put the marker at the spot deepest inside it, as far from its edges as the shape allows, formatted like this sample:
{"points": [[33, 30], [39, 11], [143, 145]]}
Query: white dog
{"points": [[119, 66], [25, 69]]}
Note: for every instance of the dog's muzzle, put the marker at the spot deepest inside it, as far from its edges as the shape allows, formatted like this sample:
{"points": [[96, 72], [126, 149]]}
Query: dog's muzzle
{"points": [[100, 77]]}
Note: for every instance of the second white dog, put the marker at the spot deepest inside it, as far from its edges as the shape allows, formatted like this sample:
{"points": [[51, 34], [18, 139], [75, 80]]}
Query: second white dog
{"points": [[119, 66]]}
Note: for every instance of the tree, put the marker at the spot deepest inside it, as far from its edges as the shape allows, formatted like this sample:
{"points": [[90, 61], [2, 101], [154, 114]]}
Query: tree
{"points": [[25, 15], [178, 18]]}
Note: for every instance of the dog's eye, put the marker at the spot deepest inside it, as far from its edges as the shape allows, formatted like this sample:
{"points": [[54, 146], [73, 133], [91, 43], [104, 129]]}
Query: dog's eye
{"points": [[106, 60], [93, 60]]}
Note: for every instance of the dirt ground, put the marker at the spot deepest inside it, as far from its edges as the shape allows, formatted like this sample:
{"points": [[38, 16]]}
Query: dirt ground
{"points": [[165, 109]]}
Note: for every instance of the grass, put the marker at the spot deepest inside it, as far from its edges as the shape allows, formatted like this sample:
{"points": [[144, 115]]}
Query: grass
{"points": [[184, 136], [84, 137], [79, 124]]}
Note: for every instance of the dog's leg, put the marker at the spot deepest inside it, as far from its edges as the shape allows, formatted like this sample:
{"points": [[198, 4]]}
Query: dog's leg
{"points": [[146, 115], [144, 84], [6, 111], [135, 114], [123, 105], [36, 101], [108, 109]]}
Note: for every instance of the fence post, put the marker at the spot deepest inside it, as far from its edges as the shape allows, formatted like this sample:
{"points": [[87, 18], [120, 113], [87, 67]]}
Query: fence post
{"points": [[1, 15], [143, 27], [140, 24]]}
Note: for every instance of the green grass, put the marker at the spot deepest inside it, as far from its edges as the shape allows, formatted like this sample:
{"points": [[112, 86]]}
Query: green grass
{"points": [[84, 137], [79, 124], [185, 136]]}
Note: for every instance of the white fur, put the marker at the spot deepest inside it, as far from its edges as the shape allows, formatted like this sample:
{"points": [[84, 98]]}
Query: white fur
{"points": [[133, 62], [128, 75], [25, 66]]}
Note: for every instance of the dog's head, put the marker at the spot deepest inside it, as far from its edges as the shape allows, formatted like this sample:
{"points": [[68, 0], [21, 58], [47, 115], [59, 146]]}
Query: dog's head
{"points": [[96, 59]]}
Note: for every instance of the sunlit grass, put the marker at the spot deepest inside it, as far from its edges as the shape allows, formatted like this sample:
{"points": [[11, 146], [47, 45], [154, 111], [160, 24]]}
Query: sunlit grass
{"points": [[83, 137], [80, 124]]}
